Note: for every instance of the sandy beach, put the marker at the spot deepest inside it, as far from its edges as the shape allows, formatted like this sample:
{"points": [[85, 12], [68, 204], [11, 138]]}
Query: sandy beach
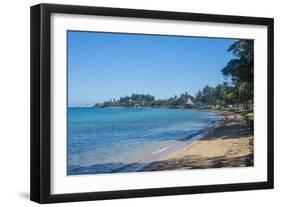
{"points": [[229, 144]]}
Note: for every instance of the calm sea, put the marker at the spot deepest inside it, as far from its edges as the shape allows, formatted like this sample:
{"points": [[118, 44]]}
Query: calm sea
{"points": [[105, 140]]}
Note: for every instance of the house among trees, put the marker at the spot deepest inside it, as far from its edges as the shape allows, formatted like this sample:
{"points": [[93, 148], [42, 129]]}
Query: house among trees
{"points": [[189, 104], [234, 94]]}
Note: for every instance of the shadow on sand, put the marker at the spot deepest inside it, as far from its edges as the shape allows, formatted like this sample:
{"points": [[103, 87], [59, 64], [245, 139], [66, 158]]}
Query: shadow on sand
{"points": [[229, 129]]}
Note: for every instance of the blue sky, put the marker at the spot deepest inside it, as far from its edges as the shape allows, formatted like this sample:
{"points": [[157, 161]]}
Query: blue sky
{"points": [[103, 66]]}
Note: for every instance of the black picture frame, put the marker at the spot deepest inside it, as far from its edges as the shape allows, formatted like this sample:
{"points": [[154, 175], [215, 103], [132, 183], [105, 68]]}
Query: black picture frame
{"points": [[41, 99]]}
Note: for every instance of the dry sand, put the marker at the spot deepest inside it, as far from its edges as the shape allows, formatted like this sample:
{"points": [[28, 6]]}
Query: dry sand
{"points": [[228, 145]]}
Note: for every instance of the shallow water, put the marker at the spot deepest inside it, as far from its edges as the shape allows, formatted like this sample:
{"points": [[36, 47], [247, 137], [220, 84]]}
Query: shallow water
{"points": [[107, 139]]}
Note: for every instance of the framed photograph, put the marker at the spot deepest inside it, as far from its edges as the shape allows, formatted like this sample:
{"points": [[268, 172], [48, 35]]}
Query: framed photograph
{"points": [[133, 103]]}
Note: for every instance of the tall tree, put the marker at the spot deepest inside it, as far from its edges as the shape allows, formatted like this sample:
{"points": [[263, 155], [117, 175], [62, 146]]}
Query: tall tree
{"points": [[241, 70]]}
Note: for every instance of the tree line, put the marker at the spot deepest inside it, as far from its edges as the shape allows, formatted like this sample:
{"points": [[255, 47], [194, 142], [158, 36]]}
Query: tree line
{"points": [[147, 100], [237, 90]]}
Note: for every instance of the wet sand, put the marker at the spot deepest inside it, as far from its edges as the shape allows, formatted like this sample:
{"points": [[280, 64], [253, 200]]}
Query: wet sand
{"points": [[230, 144]]}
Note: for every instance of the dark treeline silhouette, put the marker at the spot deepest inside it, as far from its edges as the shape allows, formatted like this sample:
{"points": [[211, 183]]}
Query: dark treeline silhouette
{"points": [[142, 100]]}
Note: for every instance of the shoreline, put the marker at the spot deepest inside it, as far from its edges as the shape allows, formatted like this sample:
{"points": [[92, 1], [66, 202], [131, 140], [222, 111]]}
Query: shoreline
{"points": [[167, 150], [156, 155], [195, 151], [228, 144]]}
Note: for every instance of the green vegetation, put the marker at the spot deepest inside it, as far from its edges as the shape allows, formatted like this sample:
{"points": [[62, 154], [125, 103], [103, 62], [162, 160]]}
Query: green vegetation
{"points": [[250, 116], [141, 100], [237, 94], [234, 95]]}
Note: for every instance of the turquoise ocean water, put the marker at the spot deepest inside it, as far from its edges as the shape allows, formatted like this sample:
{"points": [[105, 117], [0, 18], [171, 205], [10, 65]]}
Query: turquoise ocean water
{"points": [[107, 139]]}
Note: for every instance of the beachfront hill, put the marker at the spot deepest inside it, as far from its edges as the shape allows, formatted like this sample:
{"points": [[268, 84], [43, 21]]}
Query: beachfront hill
{"points": [[234, 94], [209, 98], [146, 100]]}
